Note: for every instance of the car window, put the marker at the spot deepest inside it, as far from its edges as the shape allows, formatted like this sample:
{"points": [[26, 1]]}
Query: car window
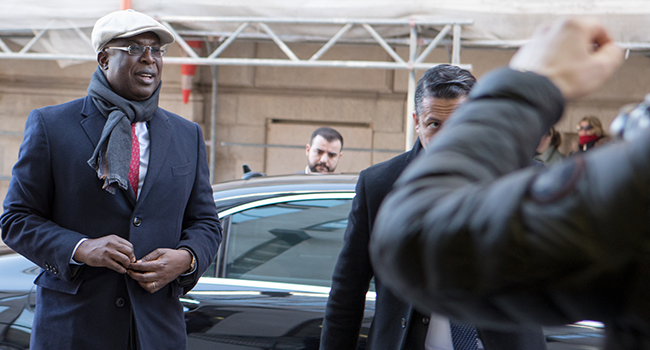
{"points": [[290, 242]]}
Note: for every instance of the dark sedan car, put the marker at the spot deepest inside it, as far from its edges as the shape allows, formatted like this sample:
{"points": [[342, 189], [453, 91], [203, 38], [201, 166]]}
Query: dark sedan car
{"points": [[269, 283]]}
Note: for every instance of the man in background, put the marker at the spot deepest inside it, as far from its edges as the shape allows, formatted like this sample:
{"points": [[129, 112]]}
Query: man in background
{"points": [[396, 324], [323, 151]]}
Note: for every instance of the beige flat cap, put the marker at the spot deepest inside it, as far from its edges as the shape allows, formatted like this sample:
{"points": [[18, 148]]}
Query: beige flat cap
{"points": [[124, 24]]}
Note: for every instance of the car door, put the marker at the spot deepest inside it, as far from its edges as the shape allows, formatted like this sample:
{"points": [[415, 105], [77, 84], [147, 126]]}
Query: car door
{"points": [[269, 284]]}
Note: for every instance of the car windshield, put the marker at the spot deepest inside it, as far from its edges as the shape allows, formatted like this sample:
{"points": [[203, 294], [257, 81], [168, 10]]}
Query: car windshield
{"points": [[291, 242]]}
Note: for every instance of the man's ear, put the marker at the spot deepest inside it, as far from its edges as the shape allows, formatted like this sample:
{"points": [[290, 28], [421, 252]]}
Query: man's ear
{"points": [[416, 121], [307, 150], [102, 59]]}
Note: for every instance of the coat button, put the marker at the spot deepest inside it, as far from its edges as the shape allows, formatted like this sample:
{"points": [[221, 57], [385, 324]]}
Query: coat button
{"points": [[403, 323], [425, 320], [119, 302], [137, 221]]}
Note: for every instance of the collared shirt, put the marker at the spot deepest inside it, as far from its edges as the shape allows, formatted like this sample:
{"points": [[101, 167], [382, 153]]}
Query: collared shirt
{"points": [[439, 334], [142, 132]]}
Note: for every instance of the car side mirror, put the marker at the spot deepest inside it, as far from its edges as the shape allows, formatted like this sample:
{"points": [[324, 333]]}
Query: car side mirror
{"points": [[249, 173]]}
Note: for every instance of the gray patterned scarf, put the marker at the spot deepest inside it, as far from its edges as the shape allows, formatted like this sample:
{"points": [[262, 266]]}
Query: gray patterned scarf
{"points": [[112, 155]]}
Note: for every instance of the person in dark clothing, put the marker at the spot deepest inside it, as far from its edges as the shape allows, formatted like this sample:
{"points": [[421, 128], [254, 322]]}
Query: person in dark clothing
{"points": [[396, 324], [533, 245], [111, 197]]}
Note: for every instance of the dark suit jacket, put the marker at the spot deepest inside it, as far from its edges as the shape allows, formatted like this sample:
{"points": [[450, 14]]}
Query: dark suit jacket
{"points": [[55, 199], [396, 324]]}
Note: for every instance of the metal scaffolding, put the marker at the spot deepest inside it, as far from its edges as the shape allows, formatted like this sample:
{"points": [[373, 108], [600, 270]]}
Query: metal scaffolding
{"points": [[416, 59], [259, 29]]}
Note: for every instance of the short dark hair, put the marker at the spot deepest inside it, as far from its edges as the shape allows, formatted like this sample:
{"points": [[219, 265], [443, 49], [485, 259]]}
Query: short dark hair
{"points": [[443, 81], [328, 134]]}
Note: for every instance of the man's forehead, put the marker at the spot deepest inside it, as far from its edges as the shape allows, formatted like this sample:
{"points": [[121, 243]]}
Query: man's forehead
{"points": [[321, 143], [430, 101], [434, 105]]}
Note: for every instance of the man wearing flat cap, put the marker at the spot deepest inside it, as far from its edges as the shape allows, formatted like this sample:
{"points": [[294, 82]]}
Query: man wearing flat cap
{"points": [[111, 198]]}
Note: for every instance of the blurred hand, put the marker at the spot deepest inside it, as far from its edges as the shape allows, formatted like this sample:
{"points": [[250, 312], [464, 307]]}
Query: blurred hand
{"points": [[577, 55], [160, 267], [112, 251]]}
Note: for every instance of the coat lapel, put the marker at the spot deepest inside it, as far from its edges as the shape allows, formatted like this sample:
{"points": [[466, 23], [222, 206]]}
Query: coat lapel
{"points": [[93, 121], [160, 133]]}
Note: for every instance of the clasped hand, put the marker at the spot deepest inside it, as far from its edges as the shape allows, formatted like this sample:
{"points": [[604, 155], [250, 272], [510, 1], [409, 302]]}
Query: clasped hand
{"points": [[152, 272]]}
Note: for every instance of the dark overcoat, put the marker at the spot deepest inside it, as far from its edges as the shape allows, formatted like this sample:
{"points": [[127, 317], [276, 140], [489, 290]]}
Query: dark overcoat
{"points": [[55, 199]]}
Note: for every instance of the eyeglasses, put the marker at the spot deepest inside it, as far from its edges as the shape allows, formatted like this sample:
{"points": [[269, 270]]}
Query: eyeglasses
{"points": [[138, 50], [585, 127]]}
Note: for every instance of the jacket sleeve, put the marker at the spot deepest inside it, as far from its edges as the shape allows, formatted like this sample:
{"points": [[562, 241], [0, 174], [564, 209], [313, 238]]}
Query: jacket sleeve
{"points": [[201, 226], [488, 241], [351, 279], [26, 222]]}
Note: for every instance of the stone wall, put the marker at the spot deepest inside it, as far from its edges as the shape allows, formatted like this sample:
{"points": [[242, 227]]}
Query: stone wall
{"points": [[281, 106]]}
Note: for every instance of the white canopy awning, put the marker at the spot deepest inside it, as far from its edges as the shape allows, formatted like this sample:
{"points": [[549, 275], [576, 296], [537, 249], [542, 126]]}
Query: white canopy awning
{"points": [[494, 20]]}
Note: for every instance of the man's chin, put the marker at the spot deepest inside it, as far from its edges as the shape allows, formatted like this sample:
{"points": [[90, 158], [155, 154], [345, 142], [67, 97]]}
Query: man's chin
{"points": [[319, 169]]}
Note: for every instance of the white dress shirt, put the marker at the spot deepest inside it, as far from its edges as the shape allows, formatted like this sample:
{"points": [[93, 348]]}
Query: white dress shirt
{"points": [[142, 132], [439, 334]]}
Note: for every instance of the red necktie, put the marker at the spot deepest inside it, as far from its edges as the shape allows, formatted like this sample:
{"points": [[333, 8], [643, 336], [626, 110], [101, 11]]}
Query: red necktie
{"points": [[134, 168]]}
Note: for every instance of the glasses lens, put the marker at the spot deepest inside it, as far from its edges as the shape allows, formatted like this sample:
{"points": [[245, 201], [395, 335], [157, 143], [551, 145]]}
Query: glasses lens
{"points": [[135, 50], [158, 51]]}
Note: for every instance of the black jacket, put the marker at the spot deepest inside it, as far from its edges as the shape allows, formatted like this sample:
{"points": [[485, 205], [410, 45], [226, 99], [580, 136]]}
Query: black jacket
{"points": [[538, 246], [396, 325]]}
